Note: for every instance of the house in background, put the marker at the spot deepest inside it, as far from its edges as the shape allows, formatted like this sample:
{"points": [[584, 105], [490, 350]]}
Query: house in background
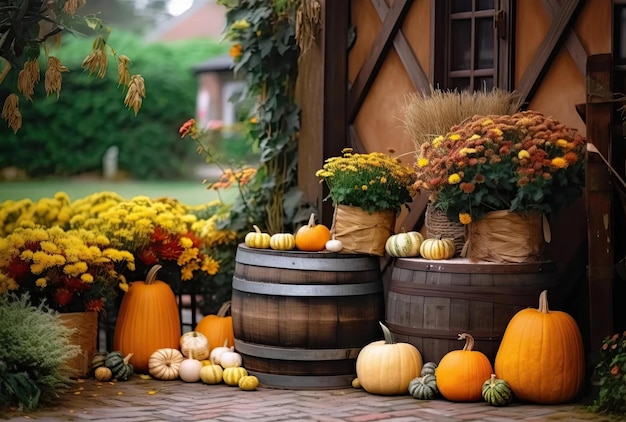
{"points": [[216, 82]]}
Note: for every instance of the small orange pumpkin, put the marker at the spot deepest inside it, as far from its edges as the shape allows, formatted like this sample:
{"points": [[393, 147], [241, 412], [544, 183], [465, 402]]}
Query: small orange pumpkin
{"points": [[461, 373], [312, 237], [218, 328], [148, 320], [541, 355]]}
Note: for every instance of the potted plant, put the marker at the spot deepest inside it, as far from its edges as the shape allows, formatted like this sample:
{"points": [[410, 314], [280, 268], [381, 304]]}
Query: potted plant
{"points": [[503, 174], [367, 191]]}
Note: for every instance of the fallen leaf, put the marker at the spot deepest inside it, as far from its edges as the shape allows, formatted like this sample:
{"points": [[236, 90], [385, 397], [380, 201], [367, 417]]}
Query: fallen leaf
{"points": [[152, 392], [145, 377]]}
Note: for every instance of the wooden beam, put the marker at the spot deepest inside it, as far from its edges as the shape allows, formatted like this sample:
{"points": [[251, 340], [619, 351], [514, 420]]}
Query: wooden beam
{"points": [[371, 66], [405, 52], [572, 42], [336, 19], [546, 52], [599, 207]]}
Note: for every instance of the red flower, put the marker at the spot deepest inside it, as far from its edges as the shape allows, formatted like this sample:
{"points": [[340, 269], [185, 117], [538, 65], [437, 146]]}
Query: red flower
{"points": [[17, 268], [147, 256], [95, 305], [63, 296]]}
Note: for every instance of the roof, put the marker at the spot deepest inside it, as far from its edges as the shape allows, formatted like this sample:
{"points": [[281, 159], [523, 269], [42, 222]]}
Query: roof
{"points": [[214, 64]]}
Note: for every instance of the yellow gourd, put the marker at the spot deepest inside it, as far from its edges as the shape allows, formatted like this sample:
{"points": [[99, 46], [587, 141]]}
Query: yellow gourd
{"points": [[257, 239], [233, 374], [282, 241], [248, 383], [437, 248], [211, 374]]}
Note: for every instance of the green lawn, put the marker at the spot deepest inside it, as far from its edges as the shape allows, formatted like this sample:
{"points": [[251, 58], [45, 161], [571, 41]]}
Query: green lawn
{"points": [[188, 192]]}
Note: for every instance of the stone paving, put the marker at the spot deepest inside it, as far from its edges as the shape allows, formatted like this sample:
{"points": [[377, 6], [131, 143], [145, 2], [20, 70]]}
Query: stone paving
{"points": [[142, 399]]}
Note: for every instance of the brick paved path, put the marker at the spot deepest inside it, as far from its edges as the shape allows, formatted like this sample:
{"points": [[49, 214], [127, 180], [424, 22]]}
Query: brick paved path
{"points": [[150, 400]]}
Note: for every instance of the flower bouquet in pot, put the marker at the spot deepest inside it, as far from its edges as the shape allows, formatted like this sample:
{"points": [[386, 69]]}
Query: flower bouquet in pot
{"points": [[367, 191], [74, 272], [501, 175]]}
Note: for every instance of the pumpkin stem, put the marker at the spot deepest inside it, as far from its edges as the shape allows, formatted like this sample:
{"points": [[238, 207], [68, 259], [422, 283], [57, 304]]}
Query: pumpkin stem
{"points": [[256, 228], [312, 220], [223, 309], [492, 380], [469, 341], [151, 276], [543, 302], [388, 336], [127, 358]]}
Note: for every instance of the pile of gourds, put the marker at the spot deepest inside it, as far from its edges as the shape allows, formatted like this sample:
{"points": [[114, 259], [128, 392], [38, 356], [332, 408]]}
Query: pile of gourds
{"points": [[196, 361], [148, 339], [540, 360], [314, 237], [413, 244], [311, 237]]}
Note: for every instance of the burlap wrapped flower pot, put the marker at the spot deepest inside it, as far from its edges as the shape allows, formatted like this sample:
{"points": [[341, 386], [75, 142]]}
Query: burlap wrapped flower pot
{"points": [[362, 232]]}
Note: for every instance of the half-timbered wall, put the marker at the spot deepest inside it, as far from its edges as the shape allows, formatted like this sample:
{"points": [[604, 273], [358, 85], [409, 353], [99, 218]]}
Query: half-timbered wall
{"points": [[547, 45]]}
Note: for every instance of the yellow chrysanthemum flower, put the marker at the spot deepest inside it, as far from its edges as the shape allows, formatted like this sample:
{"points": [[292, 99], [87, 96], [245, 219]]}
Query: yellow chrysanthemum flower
{"points": [[523, 154], [454, 178], [465, 218], [422, 162], [559, 162]]}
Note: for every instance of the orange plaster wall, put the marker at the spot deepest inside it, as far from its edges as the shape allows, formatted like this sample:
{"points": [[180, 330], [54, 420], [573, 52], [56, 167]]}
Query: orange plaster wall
{"points": [[379, 121], [563, 86]]}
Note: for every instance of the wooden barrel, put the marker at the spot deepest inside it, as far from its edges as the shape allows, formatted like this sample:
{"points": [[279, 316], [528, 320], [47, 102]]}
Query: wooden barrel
{"points": [[430, 302], [300, 318]]}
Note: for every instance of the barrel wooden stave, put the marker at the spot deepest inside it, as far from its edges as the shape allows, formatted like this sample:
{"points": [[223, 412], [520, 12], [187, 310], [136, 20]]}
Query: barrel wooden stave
{"points": [[430, 302], [299, 325]]}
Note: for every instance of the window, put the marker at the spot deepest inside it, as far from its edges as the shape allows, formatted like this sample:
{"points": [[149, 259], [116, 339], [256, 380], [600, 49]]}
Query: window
{"points": [[470, 44]]}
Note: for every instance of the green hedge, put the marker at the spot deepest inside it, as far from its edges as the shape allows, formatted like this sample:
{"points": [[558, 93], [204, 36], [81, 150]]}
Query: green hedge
{"points": [[69, 136]]}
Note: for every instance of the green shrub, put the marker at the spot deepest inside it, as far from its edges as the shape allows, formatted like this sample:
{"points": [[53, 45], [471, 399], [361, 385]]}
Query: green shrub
{"points": [[34, 346], [69, 136], [611, 371]]}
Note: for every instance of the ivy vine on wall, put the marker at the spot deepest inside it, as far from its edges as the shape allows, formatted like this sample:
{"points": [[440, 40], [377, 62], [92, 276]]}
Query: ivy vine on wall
{"points": [[265, 53]]}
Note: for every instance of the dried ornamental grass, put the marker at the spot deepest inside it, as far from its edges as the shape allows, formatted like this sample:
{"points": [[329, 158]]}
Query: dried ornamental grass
{"points": [[428, 115]]}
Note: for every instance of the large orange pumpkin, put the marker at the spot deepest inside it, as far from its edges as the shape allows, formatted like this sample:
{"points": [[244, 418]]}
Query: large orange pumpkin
{"points": [[541, 355], [461, 373], [218, 328], [148, 320]]}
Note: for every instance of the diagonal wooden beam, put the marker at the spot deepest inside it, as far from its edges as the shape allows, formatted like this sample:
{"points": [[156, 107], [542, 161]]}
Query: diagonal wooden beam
{"points": [[546, 52], [572, 42], [405, 52], [373, 62]]}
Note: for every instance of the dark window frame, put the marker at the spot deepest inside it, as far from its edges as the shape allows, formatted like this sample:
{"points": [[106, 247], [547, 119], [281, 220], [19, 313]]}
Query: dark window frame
{"points": [[504, 31]]}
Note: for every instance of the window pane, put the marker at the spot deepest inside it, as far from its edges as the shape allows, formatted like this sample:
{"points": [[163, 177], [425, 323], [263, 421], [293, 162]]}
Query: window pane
{"points": [[484, 5], [460, 83], [484, 43], [458, 6], [461, 45], [483, 83]]}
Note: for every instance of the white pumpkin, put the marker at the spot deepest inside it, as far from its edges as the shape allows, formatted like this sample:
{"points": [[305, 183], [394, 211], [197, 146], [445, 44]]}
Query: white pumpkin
{"points": [[189, 370], [334, 245], [230, 359], [216, 354], [196, 343], [404, 244]]}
